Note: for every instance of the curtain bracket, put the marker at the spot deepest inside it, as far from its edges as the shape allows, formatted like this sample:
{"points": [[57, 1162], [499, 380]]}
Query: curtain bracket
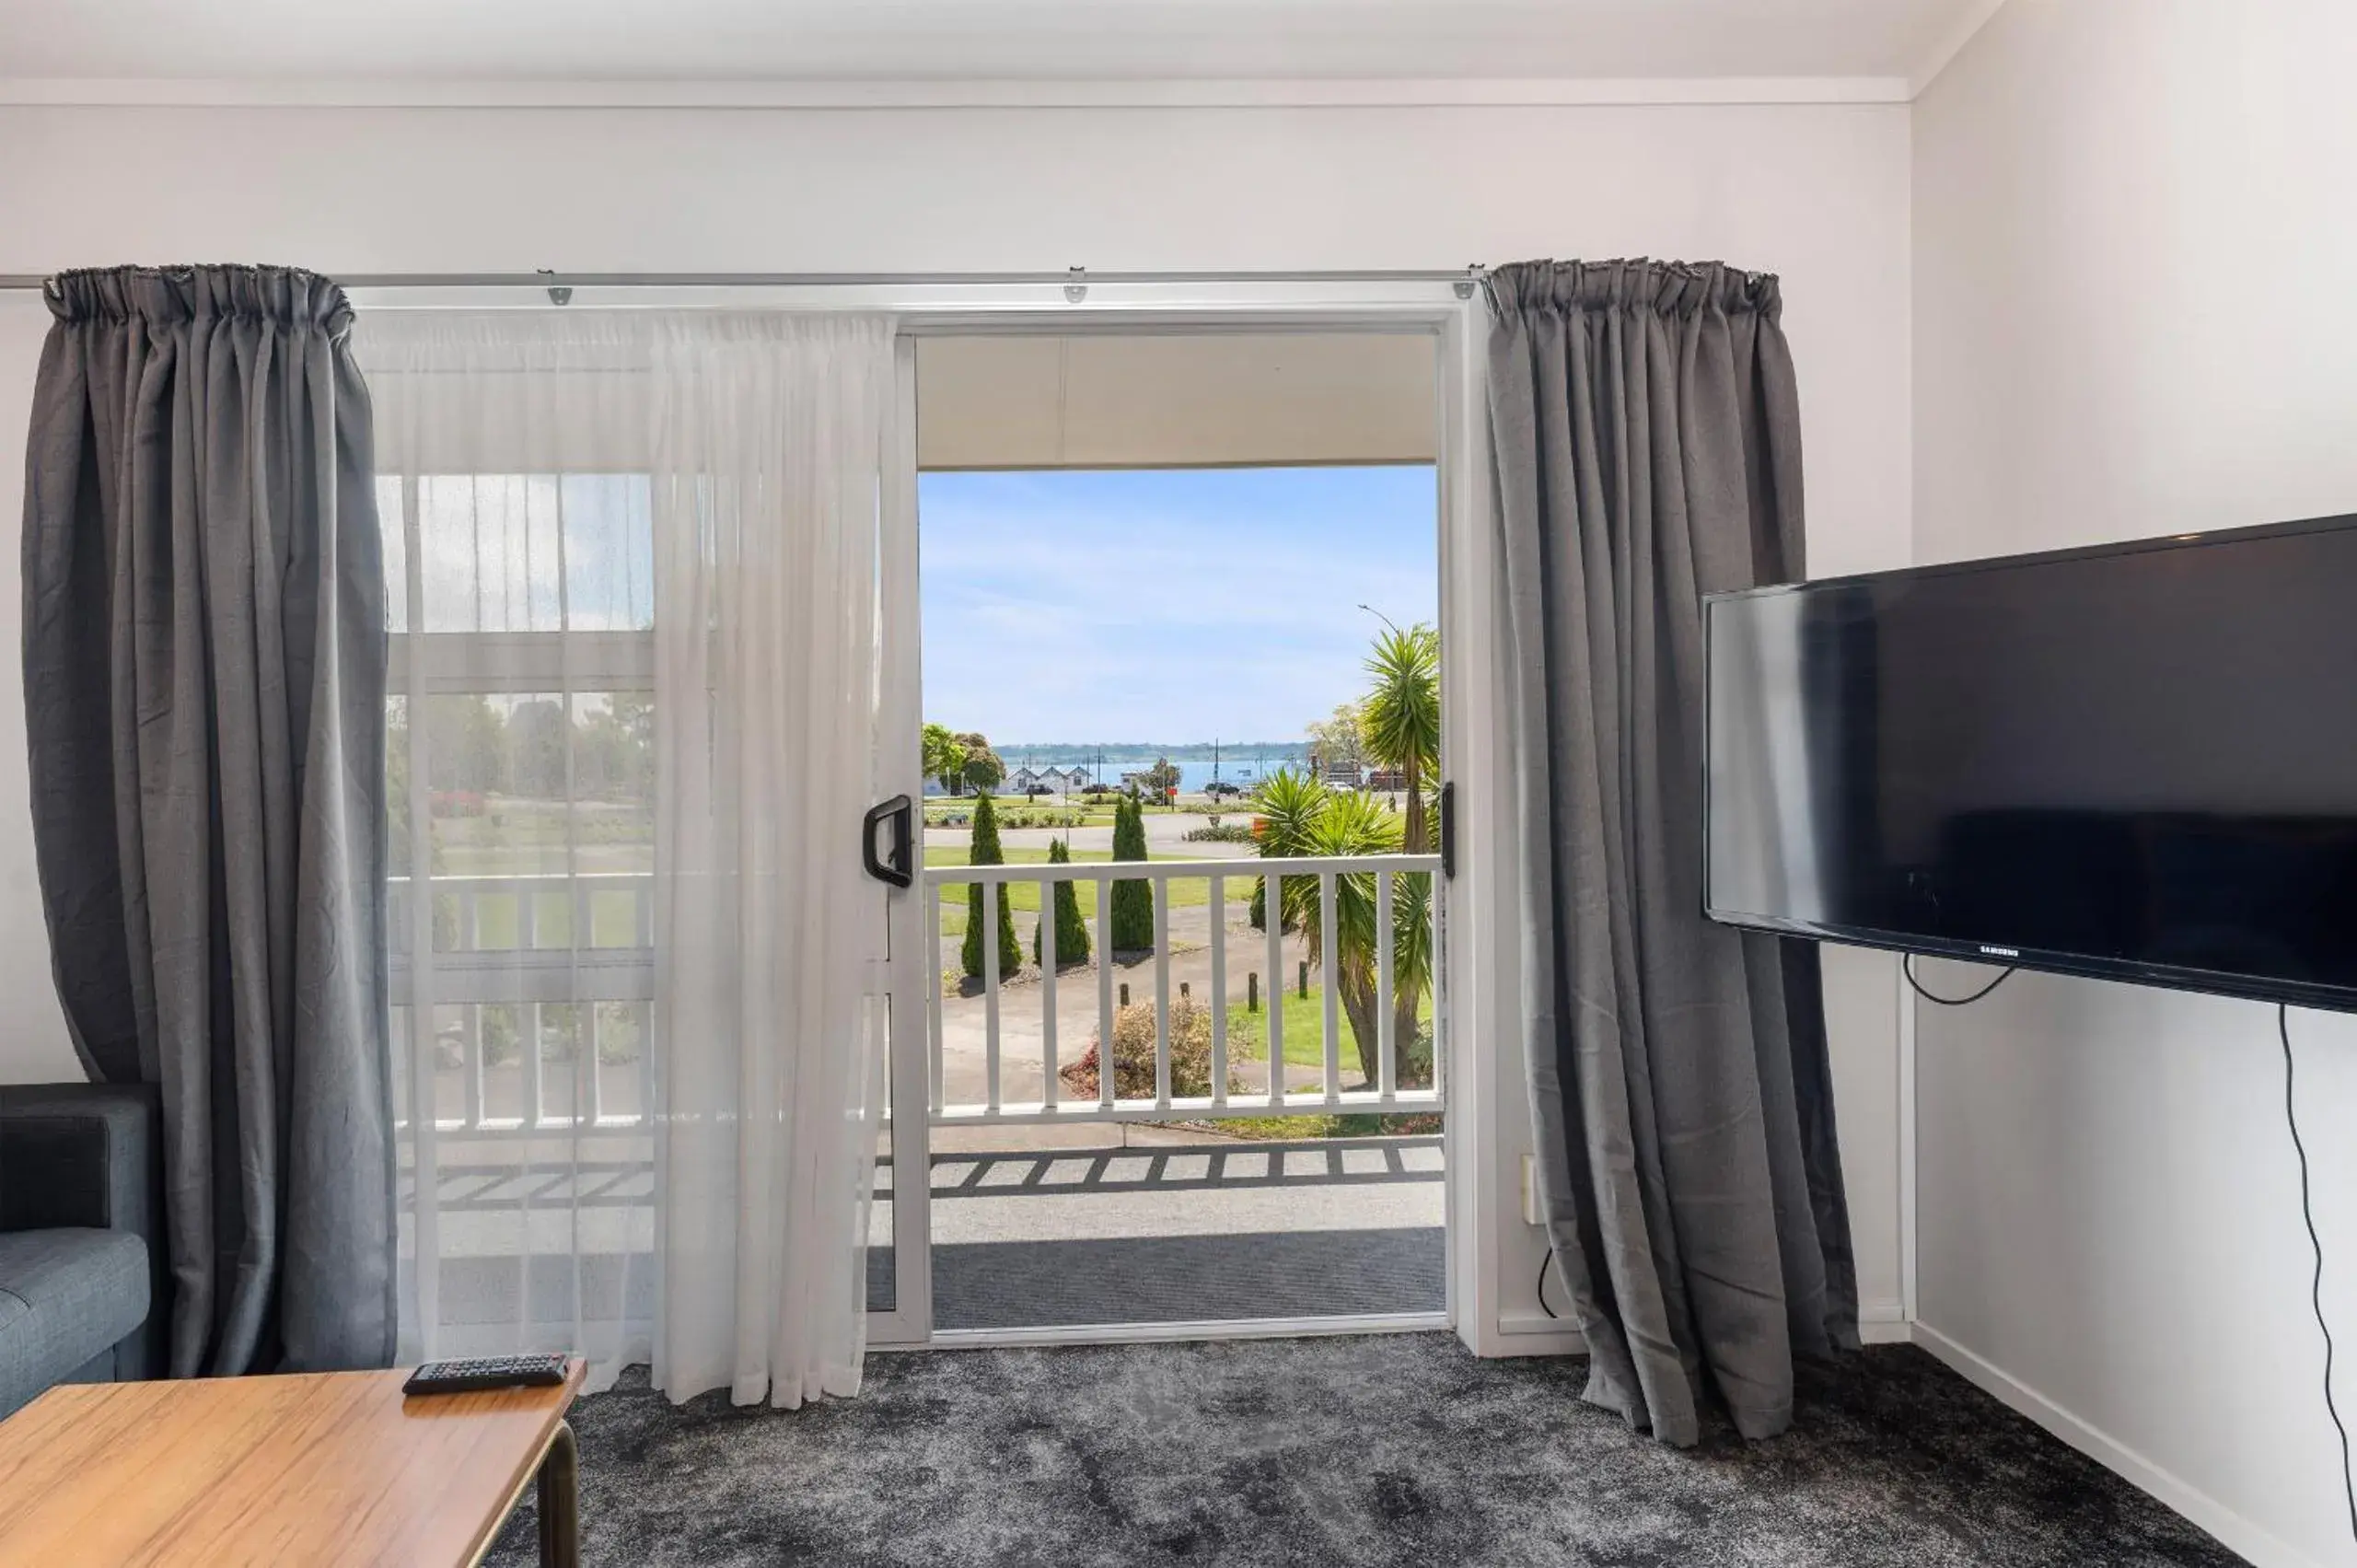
{"points": [[1076, 285]]}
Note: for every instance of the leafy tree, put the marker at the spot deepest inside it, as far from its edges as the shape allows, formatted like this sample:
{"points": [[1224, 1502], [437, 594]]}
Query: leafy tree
{"points": [[1336, 740], [984, 770], [535, 749], [1162, 778], [466, 742], [1071, 931], [613, 747], [944, 758], [1132, 922], [985, 850]]}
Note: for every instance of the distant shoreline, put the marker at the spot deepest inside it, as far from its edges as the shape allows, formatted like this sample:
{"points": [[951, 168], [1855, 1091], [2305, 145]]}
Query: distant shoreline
{"points": [[1194, 751]]}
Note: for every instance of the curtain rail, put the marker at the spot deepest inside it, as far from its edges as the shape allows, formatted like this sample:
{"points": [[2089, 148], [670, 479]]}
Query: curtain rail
{"points": [[1465, 278]]}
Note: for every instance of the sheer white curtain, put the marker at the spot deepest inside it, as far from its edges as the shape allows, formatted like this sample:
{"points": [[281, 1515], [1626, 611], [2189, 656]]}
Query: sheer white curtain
{"points": [[767, 487], [633, 563]]}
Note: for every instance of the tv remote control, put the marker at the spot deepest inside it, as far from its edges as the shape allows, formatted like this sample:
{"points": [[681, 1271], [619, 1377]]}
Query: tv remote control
{"points": [[494, 1372]]}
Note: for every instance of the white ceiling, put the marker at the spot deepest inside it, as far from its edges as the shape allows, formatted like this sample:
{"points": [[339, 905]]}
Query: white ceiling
{"points": [[973, 39], [1175, 400]]}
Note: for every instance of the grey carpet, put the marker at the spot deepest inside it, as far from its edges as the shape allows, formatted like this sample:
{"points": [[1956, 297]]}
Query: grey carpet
{"points": [[1188, 1279], [1397, 1450]]}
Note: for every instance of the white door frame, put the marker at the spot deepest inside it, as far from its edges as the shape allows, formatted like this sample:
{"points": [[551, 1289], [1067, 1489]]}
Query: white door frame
{"points": [[901, 770], [1475, 907], [1479, 959]]}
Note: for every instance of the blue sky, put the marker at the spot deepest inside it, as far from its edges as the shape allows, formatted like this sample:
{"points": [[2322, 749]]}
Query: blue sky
{"points": [[1165, 605]]}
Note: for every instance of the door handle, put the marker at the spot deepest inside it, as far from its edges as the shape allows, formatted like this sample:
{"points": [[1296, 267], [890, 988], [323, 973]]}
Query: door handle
{"points": [[900, 870]]}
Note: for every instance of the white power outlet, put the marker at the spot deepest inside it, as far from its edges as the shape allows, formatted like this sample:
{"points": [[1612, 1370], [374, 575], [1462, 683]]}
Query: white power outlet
{"points": [[1530, 1215]]}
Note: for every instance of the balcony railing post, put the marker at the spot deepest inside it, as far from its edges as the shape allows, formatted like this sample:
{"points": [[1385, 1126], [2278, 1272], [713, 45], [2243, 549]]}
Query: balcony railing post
{"points": [[470, 1058], [934, 894], [1272, 917], [1333, 1032], [988, 937], [535, 1095], [586, 1058], [1047, 929], [1219, 992], [1384, 1005], [1105, 992], [648, 1105], [1161, 889]]}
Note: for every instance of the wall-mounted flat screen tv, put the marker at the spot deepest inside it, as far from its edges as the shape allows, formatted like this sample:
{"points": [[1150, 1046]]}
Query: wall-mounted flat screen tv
{"points": [[2137, 761]]}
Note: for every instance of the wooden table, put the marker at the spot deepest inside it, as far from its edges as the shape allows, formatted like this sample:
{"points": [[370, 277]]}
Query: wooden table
{"points": [[324, 1469]]}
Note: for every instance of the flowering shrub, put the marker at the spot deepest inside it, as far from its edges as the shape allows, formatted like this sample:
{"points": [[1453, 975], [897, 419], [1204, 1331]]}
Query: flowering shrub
{"points": [[1190, 1054]]}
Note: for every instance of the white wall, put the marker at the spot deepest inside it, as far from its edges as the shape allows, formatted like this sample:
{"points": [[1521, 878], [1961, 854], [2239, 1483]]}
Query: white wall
{"points": [[1818, 194], [2134, 314]]}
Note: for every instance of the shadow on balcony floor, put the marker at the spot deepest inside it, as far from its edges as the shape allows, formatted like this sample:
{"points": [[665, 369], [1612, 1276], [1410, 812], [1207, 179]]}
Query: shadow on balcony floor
{"points": [[1188, 1279], [1214, 1231]]}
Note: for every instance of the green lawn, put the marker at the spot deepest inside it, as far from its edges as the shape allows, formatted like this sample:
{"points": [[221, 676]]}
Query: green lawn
{"points": [[1023, 897], [1247, 1040], [1305, 1030], [498, 916]]}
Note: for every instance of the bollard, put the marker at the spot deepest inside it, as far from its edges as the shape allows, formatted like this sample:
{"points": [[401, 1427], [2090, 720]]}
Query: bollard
{"points": [[1304, 979], [1252, 992], [1125, 994], [1183, 991]]}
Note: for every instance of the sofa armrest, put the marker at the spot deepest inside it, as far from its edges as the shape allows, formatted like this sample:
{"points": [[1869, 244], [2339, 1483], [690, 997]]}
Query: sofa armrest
{"points": [[92, 1155], [79, 1155]]}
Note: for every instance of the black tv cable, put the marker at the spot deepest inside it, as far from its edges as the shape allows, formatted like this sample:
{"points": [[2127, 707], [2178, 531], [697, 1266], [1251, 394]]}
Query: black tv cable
{"points": [[1907, 968], [2316, 1248]]}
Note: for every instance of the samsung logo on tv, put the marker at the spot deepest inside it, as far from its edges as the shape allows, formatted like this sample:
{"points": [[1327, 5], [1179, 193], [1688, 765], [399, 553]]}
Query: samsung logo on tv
{"points": [[2001, 952]]}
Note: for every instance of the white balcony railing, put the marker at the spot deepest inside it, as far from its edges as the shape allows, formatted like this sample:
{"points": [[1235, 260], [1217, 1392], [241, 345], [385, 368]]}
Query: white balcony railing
{"points": [[511, 1016], [528, 1001], [1053, 1105]]}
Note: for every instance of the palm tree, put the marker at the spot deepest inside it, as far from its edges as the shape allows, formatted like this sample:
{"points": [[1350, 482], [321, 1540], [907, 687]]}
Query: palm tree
{"points": [[1298, 816], [1400, 721], [1400, 717], [1286, 807], [1350, 824]]}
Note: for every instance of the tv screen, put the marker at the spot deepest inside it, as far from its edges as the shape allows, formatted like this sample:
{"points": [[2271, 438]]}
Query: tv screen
{"points": [[2138, 761]]}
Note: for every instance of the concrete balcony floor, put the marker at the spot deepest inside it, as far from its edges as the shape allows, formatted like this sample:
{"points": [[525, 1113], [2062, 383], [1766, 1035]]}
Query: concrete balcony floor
{"points": [[1208, 1230], [1153, 1225]]}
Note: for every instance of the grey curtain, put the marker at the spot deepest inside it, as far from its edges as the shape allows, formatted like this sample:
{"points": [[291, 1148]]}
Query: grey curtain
{"points": [[1648, 451], [204, 698]]}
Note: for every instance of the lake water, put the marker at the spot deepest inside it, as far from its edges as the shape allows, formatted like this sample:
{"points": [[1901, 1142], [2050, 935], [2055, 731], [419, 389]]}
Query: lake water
{"points": [[1192, 776]]}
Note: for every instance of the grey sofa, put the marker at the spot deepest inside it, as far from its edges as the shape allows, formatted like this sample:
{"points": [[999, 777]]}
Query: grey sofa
{"points": [[81, 1243]]}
